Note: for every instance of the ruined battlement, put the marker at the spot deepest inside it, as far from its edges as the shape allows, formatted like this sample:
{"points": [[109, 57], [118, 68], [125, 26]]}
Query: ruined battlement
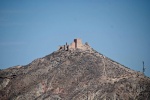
{"points": [[77, 43]]}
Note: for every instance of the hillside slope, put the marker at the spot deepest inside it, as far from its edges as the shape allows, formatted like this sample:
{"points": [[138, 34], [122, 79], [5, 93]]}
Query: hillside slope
{"points": [[73, 75]]}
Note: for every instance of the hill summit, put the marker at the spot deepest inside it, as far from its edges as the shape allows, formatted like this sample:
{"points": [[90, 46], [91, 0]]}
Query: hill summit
{"points": [[74, 72]]}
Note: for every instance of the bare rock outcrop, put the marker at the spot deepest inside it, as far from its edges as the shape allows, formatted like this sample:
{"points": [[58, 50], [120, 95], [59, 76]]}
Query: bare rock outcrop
{"points": [[76, 74]]}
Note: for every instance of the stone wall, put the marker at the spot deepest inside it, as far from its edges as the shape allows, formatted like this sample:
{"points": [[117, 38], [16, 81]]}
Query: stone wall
{"points": [[72, 45], [77, 43]]}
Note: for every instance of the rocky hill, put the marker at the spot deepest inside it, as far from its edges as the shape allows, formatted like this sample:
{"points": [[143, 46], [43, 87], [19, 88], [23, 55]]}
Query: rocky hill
{"points": [[73, 74]]}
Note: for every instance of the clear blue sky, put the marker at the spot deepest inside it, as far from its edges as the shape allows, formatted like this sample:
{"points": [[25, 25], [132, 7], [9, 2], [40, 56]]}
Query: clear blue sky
{"points": [[119, 29]]}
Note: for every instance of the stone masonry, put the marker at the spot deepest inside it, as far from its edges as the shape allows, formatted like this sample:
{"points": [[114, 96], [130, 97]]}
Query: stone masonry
{"points": [[77, 43]]}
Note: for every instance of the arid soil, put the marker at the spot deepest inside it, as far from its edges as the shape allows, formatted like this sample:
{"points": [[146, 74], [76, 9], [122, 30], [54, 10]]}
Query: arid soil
{"points": [[73, 75]]}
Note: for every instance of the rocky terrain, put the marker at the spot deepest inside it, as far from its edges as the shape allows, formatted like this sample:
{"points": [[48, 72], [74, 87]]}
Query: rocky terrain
{"points": [[73, 75]]}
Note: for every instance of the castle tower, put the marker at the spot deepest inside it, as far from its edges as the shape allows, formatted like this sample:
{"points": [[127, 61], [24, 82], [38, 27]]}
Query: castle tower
{"points": [[77, 43]]}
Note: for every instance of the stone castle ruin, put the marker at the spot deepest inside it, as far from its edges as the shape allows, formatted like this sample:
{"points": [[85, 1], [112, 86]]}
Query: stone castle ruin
{"points": [[76, 44]]}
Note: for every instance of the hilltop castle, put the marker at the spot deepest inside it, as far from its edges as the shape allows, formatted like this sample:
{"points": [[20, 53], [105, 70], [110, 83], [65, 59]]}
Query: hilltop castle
{"points": [[76, 44]]}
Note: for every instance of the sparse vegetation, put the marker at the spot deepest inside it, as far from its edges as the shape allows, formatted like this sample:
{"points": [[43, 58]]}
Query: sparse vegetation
{"points": [[73, 75]]}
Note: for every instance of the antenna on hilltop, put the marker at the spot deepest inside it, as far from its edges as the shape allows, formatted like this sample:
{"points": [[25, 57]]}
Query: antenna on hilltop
{"points": [[143, 67]]}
